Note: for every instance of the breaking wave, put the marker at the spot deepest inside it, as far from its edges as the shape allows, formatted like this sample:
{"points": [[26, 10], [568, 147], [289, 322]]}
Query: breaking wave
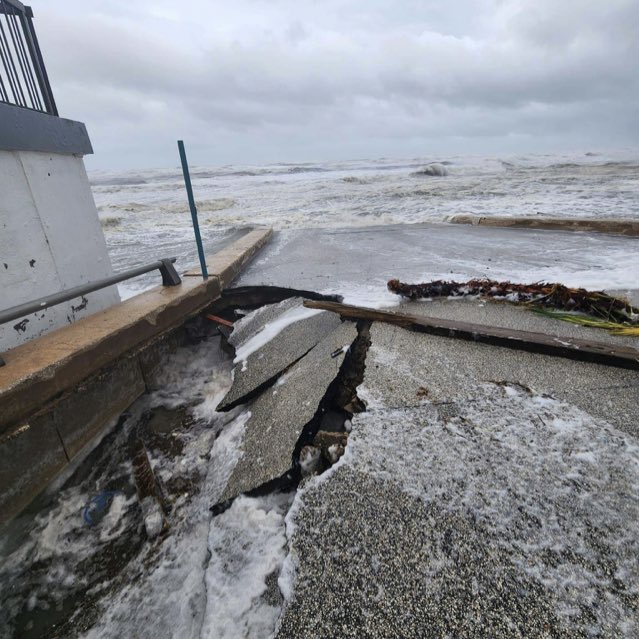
{"points": [[432, 170]]}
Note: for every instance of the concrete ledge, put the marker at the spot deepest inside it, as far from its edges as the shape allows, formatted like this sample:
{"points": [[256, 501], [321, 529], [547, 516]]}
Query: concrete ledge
{"points": [[623, 227], [58, 392], [26, 130], [228, 263], [40, 370]]}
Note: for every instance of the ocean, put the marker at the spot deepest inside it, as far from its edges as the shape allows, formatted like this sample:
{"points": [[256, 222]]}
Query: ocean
{"points": [[145, 215]]}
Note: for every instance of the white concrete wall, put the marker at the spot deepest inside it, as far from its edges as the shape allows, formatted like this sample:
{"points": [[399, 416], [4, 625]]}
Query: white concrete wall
{"points": [[50, 240]]}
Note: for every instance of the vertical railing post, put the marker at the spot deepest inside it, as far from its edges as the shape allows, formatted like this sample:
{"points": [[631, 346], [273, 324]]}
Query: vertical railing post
{"points": [[38, 62], [196, 226]]}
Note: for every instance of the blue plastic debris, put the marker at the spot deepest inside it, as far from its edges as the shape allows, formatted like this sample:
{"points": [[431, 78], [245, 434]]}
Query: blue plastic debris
{"points": [[98, 506]]}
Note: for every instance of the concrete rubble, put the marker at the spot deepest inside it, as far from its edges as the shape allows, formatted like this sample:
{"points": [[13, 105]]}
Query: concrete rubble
{"points": [[263, 366], [280, 414]]}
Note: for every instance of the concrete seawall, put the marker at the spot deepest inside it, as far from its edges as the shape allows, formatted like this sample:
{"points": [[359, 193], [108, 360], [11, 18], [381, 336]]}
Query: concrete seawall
{"points": [[622, 227], [60, 391]]}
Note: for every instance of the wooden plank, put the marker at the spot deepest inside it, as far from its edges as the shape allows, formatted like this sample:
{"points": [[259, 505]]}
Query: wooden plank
{"points": [[568, 347]]}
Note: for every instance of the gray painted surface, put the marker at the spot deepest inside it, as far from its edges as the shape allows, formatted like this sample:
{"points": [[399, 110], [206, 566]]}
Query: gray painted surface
{"points": [[26, 130]]}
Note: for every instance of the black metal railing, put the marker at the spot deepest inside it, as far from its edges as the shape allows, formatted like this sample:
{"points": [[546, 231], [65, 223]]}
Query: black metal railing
{"points": [[170, 277], [23, 76]]}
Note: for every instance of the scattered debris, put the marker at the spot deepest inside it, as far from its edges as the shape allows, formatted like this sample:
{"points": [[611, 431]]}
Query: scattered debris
{"points": [[595, 303], [98, 506], [310, 457], [615, 328], [331, 445], [149, 493], [219, 320]]}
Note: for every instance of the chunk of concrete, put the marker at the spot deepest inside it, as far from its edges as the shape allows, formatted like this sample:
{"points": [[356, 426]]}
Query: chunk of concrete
{"points": [[263, 365], [279, 415]]}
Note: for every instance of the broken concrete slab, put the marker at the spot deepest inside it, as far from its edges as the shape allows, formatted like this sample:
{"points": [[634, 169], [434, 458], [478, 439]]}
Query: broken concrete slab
{"points": [[470, 525], [279, 415], [405, 368], [263, 365]]}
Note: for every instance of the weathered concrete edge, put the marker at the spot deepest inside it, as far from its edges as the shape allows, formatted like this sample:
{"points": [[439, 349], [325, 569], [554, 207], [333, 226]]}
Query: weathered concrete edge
{"points": [[39, 370], [622, 227], [46, 443], [74, 355], [44, 440], [226, 266], [26, 130]]}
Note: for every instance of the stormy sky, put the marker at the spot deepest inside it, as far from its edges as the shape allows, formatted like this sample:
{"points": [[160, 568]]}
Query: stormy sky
{"points": [[254, 81]]}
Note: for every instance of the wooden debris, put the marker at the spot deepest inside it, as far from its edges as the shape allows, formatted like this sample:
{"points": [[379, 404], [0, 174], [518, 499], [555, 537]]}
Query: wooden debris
{"points": [[557, 296], [219, 320], [149, 494], [571, 348]]}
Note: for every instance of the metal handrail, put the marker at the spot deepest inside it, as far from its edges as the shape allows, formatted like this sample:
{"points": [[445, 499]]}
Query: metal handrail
{"points": [[23, 76], [170, 277]]}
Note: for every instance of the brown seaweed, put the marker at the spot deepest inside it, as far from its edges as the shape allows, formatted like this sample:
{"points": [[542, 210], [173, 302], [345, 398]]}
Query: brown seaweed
{"points": [[595, 303]]}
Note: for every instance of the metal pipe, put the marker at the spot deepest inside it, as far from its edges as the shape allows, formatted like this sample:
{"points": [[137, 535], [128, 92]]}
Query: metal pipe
{"points": [[196, 226], [165, 266]]}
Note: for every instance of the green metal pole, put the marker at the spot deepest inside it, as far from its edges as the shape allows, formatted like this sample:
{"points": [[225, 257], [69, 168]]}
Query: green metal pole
{"points": [[196, 226]]}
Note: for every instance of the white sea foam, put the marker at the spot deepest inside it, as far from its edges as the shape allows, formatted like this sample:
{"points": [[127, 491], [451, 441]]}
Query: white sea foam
{"points": [[153, 213], [247, 545], [546, 459]]}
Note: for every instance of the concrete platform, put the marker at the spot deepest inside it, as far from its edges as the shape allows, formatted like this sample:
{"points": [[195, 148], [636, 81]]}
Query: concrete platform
{"points": [[357, 262], [467, 505], [59, 391], [471, 508], [623, 227]]}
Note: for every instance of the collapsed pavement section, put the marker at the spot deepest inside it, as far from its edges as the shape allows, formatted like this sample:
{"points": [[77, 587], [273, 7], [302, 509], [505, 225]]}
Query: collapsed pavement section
{"points": [[434, 487], [469, 505]]}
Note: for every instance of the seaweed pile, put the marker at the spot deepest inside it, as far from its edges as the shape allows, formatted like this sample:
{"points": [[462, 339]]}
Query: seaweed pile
{"points": [[576, 305]]}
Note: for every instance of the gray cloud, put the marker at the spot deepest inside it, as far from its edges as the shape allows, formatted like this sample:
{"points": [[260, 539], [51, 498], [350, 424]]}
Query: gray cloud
{"points": [[278, 80]]}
